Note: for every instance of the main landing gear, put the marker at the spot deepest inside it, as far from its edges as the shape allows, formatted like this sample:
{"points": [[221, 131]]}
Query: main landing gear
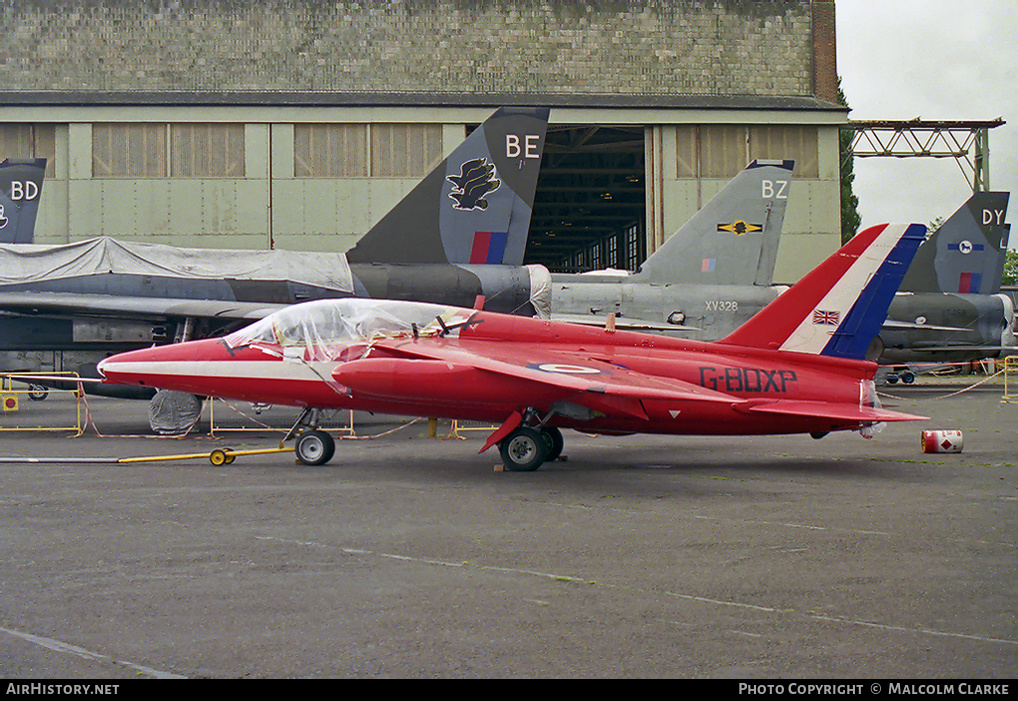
{"points": [[526, 448], [523, 449]]}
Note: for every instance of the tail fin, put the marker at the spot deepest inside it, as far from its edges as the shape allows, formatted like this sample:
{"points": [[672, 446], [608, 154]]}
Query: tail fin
{"points": [[966, 254], [475, 206], [733, 239], [20, 190], [837, 308]]}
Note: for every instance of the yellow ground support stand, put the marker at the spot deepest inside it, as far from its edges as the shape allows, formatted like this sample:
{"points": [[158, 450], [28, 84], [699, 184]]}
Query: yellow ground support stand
{"points": [[345, 429], [10, 400], [1010, 379], [456, 428]]}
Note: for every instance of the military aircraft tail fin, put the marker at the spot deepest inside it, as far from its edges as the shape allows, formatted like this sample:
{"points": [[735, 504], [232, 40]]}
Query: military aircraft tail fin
{"points": [[966, 254], [20, 190], [733, 239], [475, 206], [837, 308]]}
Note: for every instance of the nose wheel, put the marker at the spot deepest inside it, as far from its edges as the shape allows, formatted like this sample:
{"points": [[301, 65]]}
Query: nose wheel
{"points": [[314, 447]]}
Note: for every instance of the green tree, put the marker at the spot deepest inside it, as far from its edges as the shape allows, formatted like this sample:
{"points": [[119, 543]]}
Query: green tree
{"points": [[850, 218], [1010, 276]]}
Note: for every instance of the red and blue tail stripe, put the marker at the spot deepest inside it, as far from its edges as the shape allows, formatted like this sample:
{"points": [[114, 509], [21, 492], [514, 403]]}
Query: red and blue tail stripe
{"points": [[489, 247]]}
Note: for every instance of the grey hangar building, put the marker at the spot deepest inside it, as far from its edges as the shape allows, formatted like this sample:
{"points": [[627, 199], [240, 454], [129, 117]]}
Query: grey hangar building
{"points": [[297, 125]]}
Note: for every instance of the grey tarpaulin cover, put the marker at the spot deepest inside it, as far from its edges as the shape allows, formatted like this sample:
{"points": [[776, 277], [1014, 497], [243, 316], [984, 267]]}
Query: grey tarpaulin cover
{"points": [[25, 263], [173, 412]]}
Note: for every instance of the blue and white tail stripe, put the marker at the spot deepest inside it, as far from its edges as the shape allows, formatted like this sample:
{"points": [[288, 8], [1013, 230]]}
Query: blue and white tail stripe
{"points": [[847, 318], [838, 307]]}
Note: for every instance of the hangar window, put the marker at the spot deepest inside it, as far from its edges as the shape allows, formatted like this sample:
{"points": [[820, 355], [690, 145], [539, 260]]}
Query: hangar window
{"points": [[330, 150], [722, 150], [207, 151], [185, 150], [362, 150], [29, 141], [634, 252], [129, 150], [612, 251], [795, 142], [405, 150]]}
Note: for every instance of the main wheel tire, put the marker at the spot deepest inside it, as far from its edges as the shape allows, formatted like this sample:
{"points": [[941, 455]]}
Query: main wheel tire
{"points": [[555, 441], [524, 449], [37, 392], [314, 447]]}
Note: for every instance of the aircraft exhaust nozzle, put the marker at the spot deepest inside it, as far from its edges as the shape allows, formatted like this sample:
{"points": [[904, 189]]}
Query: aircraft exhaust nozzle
{"points": [[1007, 337]]}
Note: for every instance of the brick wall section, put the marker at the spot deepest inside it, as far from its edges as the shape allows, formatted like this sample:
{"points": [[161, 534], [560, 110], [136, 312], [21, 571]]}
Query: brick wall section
{"points": [[641, 47], [825, 64]]}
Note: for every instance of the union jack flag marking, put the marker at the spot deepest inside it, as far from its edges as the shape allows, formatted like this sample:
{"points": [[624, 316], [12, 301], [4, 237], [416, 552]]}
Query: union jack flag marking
{"points": [[826, 318]]}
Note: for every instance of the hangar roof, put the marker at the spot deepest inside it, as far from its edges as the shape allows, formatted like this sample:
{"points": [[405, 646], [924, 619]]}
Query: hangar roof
{"points": [[356, 99]]}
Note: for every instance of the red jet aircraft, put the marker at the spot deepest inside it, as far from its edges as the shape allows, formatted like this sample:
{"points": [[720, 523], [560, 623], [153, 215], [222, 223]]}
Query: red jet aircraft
{"points": [[798, 366]]}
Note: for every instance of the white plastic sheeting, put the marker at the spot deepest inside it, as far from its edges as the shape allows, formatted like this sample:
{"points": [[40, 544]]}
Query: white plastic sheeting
{"points": [[331, 329], [540, 290], [26, 263]]}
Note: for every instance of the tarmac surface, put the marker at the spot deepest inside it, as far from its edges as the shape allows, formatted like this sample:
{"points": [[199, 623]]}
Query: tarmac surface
{"points": [[411, 556]]}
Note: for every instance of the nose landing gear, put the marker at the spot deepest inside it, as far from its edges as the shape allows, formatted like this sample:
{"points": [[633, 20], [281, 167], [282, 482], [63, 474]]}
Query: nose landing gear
{"points": [[313, 446]]}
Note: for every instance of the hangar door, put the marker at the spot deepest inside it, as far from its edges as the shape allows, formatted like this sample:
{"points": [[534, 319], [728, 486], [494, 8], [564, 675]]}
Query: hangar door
{"points": [[590, 209]]}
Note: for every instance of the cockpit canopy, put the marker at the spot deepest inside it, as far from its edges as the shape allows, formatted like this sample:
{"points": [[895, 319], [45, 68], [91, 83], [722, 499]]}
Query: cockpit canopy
{"points": [[324, 327]]}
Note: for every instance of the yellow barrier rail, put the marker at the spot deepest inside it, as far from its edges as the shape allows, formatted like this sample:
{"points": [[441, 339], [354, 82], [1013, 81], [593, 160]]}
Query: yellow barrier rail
{"points": [[1010, 379], [10, 400], [256, 424]]}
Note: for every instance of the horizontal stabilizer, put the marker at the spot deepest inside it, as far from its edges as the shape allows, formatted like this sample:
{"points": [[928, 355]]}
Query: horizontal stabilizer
{"points": [[826, 410]]}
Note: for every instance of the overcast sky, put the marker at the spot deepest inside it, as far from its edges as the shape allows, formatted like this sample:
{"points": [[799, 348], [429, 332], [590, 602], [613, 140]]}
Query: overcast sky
{"points": [[935, 59]]}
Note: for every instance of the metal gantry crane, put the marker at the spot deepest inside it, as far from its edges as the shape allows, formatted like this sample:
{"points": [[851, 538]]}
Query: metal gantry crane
{"points": [[968, 142]]}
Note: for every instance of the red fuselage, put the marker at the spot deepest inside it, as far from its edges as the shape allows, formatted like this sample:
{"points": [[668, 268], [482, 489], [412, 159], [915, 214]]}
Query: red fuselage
{"points": [[442, 376]]}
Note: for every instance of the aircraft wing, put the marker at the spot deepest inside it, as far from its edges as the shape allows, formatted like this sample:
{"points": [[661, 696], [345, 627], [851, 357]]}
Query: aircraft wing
{"points": [[827, 410], [576, 375], [141, 307]]}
